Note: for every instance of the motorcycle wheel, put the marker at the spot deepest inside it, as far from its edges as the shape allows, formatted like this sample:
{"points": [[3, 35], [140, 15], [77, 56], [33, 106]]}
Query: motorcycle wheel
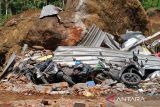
{"points": [[131, 79]]}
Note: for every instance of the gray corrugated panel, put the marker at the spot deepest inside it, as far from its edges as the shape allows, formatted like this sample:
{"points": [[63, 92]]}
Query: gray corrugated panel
{"points": [[50, 10], [95, 37], [85, 37], [92, 37], [108, 43], [109, 59], [115, 43], [94, 62], [101, 49], [111, 56], [68, 58], [141, 41], [76, 53], [106, 55], [99, 39], [104, 51]]}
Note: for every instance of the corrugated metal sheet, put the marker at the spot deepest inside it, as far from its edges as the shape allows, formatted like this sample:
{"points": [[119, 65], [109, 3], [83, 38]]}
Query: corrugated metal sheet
{"points": [[49, 10], [156, 46], [95, 37], [89, 55]]}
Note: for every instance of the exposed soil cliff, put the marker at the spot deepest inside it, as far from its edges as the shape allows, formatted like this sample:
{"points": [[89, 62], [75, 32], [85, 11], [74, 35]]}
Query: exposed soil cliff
{"points": [[113, 16]]}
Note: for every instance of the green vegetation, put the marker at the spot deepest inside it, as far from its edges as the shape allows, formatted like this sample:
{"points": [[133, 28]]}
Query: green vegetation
{"points": [[13, 7], [150, 4]]}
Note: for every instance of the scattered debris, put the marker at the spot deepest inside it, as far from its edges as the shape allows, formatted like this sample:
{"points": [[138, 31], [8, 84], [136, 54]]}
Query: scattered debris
{"points": [[79, 105], [9, 65], [95, 37], [87, 69]]}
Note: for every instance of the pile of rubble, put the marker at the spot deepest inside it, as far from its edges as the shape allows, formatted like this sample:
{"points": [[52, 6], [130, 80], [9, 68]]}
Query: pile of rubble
{"points": [[87, 71]]}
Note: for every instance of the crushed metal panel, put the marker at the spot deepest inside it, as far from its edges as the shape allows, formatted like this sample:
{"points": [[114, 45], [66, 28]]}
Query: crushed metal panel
{"points": [[89, 55], [95, 37], [24, 49], [106, 51], [111, 43], [156, 46], [141, 42], [85, 38], [132, 34], [9, 64], [50, 10]]}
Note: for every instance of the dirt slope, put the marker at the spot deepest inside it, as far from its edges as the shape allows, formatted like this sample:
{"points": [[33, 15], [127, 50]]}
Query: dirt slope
{"points": [[113, 16]]}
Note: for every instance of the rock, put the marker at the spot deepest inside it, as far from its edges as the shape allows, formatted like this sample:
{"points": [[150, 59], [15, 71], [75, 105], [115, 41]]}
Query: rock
{"points": [[60, 86], [38, 47], [66, 92], [140, 90], [88, 94], [12, 22], [80, 86], [109, 82], [79, 105], [44, 102], [120, 85]]}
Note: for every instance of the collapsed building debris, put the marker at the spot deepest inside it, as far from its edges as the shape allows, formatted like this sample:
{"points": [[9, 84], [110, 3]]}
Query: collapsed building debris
{"points": [[132, 40], [95, 37], [142, 41], [9, 65], [87, 64], [89, 55], [156, 46]]}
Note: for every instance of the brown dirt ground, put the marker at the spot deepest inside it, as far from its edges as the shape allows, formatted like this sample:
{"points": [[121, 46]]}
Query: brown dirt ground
{"points": [[10, 98]]}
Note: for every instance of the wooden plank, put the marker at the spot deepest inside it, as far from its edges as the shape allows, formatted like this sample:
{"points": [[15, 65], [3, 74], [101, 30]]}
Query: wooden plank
{"points": [[9, 64]]}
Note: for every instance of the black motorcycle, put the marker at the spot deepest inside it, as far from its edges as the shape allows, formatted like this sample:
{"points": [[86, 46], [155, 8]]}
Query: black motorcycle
{"points": [[54, 73], [43, 73], [83, 72]]}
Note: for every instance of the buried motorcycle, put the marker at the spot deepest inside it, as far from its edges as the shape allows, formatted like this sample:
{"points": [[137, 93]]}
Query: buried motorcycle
{"points": [[84, 72], [130, 74], [45, 72]]}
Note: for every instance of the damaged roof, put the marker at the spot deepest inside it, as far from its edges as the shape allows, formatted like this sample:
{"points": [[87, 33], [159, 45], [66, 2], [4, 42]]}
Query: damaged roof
{"points": [[95, 37], [49, 10]]}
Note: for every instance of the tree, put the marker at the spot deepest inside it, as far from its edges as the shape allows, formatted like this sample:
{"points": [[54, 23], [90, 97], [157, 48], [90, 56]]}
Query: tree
{"points": [[0, 8]]}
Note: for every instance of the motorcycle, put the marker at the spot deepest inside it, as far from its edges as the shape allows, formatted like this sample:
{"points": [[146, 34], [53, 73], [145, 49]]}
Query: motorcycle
{"points": [[45, 72], [55, 73], [84, 72], [130, 74]]}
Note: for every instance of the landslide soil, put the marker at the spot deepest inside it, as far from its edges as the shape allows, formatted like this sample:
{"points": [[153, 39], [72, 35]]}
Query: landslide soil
{"points": [[112, 16], [16, 29]]}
